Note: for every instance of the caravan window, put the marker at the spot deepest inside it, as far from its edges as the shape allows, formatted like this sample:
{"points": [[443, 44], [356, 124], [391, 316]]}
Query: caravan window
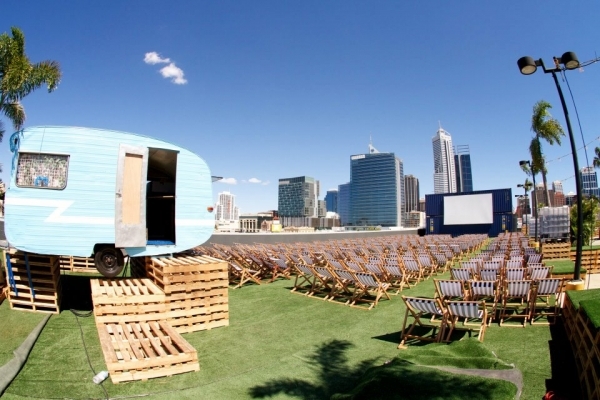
{"points": [[48, 171]]}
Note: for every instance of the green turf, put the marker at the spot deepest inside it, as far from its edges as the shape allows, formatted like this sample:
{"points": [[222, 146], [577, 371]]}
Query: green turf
{"points": [[562, 266], [278, 345], [589, 301], [14, 328], [402, 380]]}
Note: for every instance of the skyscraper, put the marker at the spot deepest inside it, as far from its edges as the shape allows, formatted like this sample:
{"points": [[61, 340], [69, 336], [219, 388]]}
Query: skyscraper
{"points": [[376, 189], [298, 197], [411, 192], [444, 176], [226, 209], [331, 200], [343, 203], [462, 165], [589, 182]]}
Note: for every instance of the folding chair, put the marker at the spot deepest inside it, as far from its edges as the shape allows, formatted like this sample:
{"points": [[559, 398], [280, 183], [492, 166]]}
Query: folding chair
{"points": [[328, 281], [306, 280], [414, 272], [462, 274], [422, 309], [242, 274], [537, 273], [427, 265], [514, 263], [486, 291], [515, 274], [516, 301], [489, 274], [450, 289], [395, 277], [467, 311], [366, 284], [541, 306]]}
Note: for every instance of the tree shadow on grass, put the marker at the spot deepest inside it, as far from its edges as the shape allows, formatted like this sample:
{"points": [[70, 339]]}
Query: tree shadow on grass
{"points": [[334, 375]]}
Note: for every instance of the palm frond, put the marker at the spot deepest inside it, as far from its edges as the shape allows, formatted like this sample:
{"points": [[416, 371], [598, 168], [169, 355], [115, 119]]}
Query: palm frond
{"points": [[16, 113]]}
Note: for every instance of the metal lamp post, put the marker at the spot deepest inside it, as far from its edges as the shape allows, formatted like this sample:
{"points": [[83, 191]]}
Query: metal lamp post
{"points": [[528, 66], [535, 208]]}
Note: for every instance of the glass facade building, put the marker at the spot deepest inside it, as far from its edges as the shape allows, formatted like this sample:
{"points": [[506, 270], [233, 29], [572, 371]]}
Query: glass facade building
{"points": [[331, 200], [298, 197], [589, 182], [462, 166], [343, 203], [444, 177], [376, 190]]}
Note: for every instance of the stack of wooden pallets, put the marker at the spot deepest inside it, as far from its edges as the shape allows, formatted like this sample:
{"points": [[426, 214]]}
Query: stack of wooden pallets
{"points": [[33, 282], [136, 341], [556, 250], [195, 287], [77, 264]]}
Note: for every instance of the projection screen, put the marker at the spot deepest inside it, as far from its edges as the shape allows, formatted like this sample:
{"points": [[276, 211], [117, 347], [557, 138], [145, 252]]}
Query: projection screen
{"points": [[468, 209]]}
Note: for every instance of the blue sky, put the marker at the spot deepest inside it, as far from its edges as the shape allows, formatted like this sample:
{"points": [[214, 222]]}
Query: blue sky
{"points": [[266, 90]]}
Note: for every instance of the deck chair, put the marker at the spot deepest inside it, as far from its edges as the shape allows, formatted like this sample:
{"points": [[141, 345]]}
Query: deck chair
{"points": [[516, 301], [354, 266], [450, 289], [306, 280], [514, 263], [395, 277], [534, 258], [240, 274], [414, 272], [462, 274], [368, 285], [515, 274], [375, 269], [473, 265], [423, 310], [428, 266], [280, 268], [327, 281], [546, 300], [486, 291], [539, 272], [344, 286], [468, 311], [487, 274]]}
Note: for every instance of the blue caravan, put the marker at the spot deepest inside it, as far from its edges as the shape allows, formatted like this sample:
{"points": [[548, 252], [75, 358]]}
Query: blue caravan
{"points": [[91, 192]]}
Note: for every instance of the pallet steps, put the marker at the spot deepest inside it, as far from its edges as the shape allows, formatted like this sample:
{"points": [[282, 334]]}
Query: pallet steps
{"points": [[144, 350]]}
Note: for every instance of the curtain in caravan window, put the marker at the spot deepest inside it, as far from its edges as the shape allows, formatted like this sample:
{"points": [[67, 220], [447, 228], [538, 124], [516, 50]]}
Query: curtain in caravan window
{"points": [[47, 171]]}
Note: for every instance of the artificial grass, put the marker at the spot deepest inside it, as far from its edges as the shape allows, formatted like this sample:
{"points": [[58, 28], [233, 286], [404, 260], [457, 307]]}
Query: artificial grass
{"points": [[562, 266], [400, 379], [278, 344], [589, 301], [14, 328]]}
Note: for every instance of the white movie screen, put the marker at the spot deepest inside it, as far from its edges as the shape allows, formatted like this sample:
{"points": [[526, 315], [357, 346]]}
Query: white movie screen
{"points": [[468, 209]]}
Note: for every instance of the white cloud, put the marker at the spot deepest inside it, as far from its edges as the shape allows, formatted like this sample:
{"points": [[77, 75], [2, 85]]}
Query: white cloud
{"points": [[254, 180], [229, 181], [154, 58], [173, 71]]}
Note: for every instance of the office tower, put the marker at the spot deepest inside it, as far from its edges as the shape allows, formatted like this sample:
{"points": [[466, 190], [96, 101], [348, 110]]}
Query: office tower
{"points": [[226, 208], [557, 186], [411, 192], [444, 177], [343, 203], [298, 197], [589, 182], [376, 189], [422, 204], [331, 200], [462, 166]]}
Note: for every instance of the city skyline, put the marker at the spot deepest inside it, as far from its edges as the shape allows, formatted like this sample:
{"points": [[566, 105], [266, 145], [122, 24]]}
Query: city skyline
{"points": [[267, 89]]}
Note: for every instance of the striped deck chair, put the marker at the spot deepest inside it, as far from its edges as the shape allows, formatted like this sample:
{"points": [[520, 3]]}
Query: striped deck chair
{"points": [[442, 261], [539, 272], [375, 269], [534, 258], [516, 301], [240, 274], [367, 288], [395, 277], [306, 280], [514, 263], [473, 265], [489, 274], [546, 300], [413, 270], [345, 285], [429, 267], [328, 282], [462, 274], [486, 291], [515, 274], [467, 311], [423, 310], [497, 265], [450, 289], [281, 268]]}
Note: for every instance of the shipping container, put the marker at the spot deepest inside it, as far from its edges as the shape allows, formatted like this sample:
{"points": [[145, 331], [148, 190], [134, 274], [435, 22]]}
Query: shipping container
{"points": [[502, 222], [501, 201]]}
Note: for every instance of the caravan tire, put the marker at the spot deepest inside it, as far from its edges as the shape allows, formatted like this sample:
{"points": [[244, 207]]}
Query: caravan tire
{"points": [[109, 261]]}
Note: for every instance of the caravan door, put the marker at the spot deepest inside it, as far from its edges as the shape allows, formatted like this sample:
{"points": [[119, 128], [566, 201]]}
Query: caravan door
{"points": [[130, 197]]}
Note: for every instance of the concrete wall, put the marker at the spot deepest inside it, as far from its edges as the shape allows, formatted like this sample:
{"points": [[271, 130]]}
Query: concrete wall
{"points": [[271, 238]]}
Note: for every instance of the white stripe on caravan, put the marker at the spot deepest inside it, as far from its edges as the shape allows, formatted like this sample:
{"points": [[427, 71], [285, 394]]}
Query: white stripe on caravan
{"points": [[60, 207]]}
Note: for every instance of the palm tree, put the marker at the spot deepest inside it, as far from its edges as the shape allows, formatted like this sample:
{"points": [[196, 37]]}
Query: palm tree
{"points": [[19, 77], [549, 129], [596, 161]]}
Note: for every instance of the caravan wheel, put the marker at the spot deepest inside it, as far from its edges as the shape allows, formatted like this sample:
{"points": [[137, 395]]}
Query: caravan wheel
{"points": [[109, 261]]}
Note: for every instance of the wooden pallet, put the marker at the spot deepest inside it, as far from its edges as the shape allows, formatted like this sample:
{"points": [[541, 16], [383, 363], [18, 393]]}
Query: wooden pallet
{"points": [[78, 264], [187, 273], [556, 250], [197, 311], [36, 288], [590, 260], [127, 300], [144, 350]]}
